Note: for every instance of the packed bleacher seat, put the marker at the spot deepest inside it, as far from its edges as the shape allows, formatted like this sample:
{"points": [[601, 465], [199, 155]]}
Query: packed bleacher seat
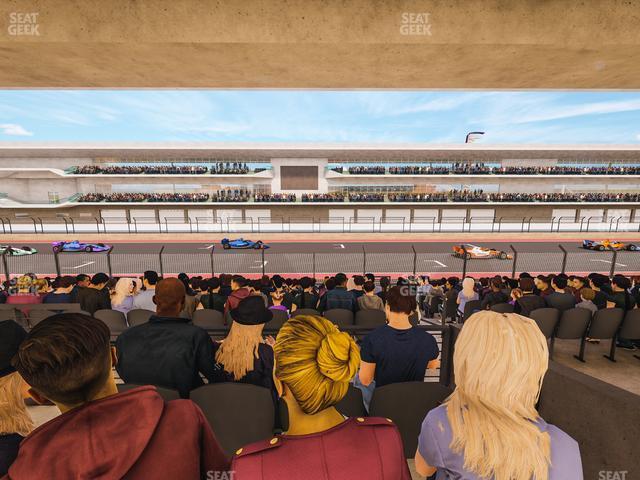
{"points": [[219, 168], [274, 197]]}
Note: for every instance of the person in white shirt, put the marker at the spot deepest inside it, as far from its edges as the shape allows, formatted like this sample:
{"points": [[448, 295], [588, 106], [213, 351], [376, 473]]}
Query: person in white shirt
{"points": [[144, 299]]}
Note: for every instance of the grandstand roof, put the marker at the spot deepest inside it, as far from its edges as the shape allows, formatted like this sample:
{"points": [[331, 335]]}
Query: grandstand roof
{"points": [[332, 151]]}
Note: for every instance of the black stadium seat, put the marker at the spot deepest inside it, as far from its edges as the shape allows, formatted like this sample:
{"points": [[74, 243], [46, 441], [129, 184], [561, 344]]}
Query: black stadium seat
{"points": [[370, 318], [604, 325], [138, 316], [208, 318], [239, 413], [339, 316], [502, 308], [417, 399], [573, 325], [115, 320], [279, 318], [305, 311], [165, 393], [36, 316], [630, 329], [547, 319], [471, 307]]}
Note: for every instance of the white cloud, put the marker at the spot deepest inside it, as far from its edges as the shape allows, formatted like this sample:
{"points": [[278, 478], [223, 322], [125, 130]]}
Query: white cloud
{"points": [[14, 129], [597, 108]]}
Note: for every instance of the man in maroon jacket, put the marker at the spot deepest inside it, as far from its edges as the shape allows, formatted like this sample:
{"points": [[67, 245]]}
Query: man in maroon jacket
{"points": [[102, 434]]}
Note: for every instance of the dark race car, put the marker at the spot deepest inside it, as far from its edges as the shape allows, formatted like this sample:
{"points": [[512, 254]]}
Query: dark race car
{"points": [[15, 251], [76, 246], [609, 245], [241, 243]]}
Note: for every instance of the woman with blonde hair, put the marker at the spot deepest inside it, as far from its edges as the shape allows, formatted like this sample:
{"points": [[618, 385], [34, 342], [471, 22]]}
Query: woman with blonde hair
{"points": [[489, 427], [15, 422], [243, 356], [314, 363], [123, 293], [467, 294]]}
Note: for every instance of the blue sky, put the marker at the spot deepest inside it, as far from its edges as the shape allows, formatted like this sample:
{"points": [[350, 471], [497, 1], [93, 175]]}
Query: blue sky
{"points": [[285, 116]]}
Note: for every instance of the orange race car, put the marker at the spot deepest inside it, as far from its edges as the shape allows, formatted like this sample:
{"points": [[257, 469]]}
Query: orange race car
{"points": [[609, 245], [474, 251]]}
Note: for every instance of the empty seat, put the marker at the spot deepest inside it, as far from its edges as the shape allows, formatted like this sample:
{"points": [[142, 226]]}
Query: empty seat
{"points": [[339, 316], [370, 318], [165, 393], [547, 319], [139, 316], [502, 308], [115, 320], [304, 311], [471, 307], [417, 398], [604, 325], [279, 318], [208, 318], [38, 315], [239, 413], [629, 330]]}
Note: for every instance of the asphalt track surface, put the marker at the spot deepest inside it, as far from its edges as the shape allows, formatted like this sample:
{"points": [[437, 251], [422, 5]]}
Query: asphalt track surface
{"points": [[319, 258]]}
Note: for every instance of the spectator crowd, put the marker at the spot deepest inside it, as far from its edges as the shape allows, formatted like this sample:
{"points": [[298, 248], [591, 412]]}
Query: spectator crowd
{"points": [[219, 168], [67, 360]]}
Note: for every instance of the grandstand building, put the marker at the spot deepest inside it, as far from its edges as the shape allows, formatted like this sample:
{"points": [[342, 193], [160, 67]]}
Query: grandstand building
{"points": [[320, 181]]}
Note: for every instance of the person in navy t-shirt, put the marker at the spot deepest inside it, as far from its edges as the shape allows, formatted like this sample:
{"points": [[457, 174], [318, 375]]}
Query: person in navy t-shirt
{"points": [[397, 352]]}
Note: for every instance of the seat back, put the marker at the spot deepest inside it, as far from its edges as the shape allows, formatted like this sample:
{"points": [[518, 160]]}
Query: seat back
{"points": [[208, 318], [471, 307], [370, 318], [573, 323], [115, 320], [605, 323], [450, 307], [38, 315], [339, 316], [631, 325], [239, 413], [502, 308], [138, 316], [305, 311], [547, 319], [417, 398], [165, 393], [279, 318]]}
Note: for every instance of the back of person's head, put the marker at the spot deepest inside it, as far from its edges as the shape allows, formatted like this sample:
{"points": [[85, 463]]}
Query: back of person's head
{"points": [[151, 277], [65, 282], [340, 279], [169, 296], [587, 294], [213, 283], [496, 284], [524, 275], [315, 361], [66, 358], [398, 301], [526, 284], [499, 363], [123, 289], [599, 280], [370, 277], [559, 282], [468, 285], [278, 281], [239, 281], [306, 282], [385, 282], [369, 287], [330, 284], [358, 280], [82, 278], [99, 279], [621, 282], [453, 281], [544, 280]]}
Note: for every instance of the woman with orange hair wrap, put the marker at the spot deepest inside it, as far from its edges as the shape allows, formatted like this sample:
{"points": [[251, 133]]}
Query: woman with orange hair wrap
{"points": [[314, 363]]}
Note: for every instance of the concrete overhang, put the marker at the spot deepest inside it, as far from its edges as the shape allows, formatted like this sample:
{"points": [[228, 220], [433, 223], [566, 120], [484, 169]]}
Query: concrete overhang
{"points": [[515, 44]]}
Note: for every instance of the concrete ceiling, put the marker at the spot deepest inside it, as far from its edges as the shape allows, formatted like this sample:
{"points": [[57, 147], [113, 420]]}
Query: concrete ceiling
{"points": [[508, 44]]}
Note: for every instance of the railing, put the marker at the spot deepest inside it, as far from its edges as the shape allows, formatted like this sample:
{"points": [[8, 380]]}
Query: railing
{"points": [[71, 225], [420, 259]]}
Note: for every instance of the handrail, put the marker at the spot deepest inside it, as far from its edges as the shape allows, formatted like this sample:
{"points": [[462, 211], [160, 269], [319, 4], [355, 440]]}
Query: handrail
{"points": [[7, 220]]}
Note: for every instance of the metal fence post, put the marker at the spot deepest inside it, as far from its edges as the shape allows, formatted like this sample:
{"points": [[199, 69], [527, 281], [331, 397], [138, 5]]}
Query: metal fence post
{"points": [[515, 260], [464, 261], [262, 254], [213, 247], [364, 260], [564, 258], [6, 266], [313, 261], [56, 260], [415, 260], [109, 262], [613, 264], [160, 260]]}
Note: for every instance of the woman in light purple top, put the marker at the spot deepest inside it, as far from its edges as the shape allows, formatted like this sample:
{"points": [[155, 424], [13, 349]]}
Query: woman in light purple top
{"points": [[489, 427], [122, 298]]}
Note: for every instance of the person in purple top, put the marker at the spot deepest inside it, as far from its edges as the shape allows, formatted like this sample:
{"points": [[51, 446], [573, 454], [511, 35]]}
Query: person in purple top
{"points": [[489, 427]]}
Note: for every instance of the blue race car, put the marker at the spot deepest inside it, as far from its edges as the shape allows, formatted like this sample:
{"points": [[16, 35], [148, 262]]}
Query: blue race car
{"points": [[76, 246], [241, 243]]}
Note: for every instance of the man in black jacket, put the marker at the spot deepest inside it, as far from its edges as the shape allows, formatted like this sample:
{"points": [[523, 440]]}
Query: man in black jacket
{"points": [[96, 296], [529, 301], [168, 351]]}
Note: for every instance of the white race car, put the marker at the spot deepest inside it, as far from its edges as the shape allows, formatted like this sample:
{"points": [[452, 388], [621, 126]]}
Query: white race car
{"points": [[15, 251]]}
